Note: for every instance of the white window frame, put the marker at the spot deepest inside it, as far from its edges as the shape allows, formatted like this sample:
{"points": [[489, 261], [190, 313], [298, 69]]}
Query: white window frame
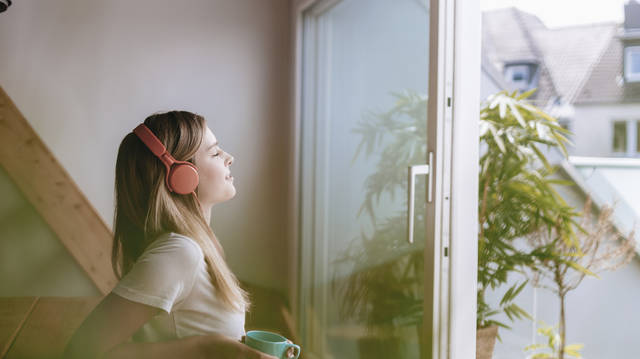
{"points": [[456, 62], [464, 180], [613, 132], [631, 128], [636, 145], [628, 52], [523, 84]]}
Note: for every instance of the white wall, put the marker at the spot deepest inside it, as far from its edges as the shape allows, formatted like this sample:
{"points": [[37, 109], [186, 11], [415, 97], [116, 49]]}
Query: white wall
{"points": [[593, 127], [85, 73]]}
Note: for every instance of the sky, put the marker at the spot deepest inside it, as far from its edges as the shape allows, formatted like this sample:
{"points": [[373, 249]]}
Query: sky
{"points": [[557, 13]]}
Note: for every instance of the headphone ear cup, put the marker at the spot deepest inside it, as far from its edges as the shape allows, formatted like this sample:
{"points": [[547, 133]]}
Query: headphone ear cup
{"points": [[183, 178]]}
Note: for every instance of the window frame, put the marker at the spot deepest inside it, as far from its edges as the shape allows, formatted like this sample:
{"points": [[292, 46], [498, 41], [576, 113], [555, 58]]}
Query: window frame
{"points": [[637, 133], [457, 107], [625, 146], [631, 137], [512, 69], [628, 53]]}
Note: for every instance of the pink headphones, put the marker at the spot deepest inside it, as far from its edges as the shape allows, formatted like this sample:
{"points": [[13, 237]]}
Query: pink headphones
{"points": [[182, 177]]}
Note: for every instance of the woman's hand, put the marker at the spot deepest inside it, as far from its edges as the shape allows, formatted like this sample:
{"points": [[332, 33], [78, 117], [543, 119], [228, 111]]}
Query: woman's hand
{"points": [[220, 346]]}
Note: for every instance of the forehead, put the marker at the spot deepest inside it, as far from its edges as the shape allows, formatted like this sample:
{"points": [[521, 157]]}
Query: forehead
{"points": [[209, 137]]}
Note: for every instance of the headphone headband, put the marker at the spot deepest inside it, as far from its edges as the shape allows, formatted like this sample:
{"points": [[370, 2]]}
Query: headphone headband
{"points": [[149, 139]]}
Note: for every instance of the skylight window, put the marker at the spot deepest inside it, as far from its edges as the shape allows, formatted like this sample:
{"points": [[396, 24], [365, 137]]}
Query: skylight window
{"points": [[520, 75]]}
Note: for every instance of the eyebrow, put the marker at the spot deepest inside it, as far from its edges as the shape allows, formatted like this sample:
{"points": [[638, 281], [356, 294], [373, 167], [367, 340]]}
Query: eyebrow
{"points": [[210, 147]]}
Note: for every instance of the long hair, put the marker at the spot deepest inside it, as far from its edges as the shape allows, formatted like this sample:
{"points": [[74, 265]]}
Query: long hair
{"points": [[145, 208]]}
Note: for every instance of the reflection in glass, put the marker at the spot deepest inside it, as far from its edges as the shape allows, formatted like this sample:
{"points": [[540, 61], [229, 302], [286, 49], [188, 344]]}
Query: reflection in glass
{"points": [[364, 123]]}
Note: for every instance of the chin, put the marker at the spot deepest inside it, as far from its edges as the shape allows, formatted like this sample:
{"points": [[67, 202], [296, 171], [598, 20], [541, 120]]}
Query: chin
{"points": [[233, 194], [229, 195]]}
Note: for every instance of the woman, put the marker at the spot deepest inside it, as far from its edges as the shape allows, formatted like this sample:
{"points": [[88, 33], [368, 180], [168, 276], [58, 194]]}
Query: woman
{"points": [[176, 297]]}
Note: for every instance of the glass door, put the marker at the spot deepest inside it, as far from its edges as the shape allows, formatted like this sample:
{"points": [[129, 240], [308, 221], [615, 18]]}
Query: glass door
{"points": [[373, 184]]}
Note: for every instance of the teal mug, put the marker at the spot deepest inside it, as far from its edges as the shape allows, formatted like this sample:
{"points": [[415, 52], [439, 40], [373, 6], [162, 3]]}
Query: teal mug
{"points": [[272, 343]]}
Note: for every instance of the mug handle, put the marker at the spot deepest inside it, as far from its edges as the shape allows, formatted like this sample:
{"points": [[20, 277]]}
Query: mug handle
{"points": [[296, 349]]}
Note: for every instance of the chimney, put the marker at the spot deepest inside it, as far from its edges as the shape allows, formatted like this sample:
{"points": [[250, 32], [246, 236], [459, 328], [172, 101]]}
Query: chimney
{"points": [[632, 15]]}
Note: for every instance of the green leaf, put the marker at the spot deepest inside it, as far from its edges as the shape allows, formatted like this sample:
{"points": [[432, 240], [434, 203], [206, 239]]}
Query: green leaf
{"points": [[534, 347], [542, 356], [574, 347], [580, 268], [573, 350], [497, 138], [517, 114], [502, 108], [541, 157], [525, 95]]}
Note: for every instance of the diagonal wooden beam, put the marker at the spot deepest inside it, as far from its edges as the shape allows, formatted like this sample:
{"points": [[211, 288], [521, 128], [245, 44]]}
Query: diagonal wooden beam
{"points": [[14, 313], [50, 325], [55, 196]]}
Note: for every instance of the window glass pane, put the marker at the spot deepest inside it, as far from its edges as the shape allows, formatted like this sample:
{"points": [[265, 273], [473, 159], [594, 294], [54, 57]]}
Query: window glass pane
{"points": [[619, 136], [586, 78], [638, 136], [635, 62], [366, 80], [518, 76]]}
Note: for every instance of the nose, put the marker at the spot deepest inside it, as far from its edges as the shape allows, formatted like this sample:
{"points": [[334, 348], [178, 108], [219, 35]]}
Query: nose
{"points": [[229, 160]]}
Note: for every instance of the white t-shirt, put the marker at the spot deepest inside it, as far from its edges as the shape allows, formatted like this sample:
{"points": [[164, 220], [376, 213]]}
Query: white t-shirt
{"points": [[171, 274]]}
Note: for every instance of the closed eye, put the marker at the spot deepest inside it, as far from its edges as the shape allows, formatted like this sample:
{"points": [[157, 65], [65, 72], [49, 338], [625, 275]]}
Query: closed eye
{"points": [[220, 151]]}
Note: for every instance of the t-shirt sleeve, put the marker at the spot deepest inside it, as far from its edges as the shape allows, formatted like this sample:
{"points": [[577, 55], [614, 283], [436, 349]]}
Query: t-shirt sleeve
{"points": [[164, 274]]}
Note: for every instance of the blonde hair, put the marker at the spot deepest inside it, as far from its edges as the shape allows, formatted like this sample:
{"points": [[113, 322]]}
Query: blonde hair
{"points": [[145, 208]]}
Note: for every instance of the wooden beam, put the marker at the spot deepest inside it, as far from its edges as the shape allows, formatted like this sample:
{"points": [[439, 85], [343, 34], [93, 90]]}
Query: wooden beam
{"points": [[55, 196], [50, 325], [14, 313]]}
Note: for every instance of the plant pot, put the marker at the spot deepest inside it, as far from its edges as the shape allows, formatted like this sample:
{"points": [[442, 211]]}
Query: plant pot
{"points": [[485, 340]]}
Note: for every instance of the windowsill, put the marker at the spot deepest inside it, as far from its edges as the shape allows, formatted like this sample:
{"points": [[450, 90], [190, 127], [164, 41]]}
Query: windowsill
{"points": [[625, 155]]}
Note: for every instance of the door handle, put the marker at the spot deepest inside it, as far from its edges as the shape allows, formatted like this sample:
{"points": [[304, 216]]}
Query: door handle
{"points": [[413, 171]]}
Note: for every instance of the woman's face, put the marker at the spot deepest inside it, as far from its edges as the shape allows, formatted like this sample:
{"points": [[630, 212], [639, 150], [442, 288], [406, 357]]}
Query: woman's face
{"points": [[213, 163]]}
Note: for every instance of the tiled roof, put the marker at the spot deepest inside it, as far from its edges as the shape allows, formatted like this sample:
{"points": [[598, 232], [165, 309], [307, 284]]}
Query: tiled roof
{"points": [[605, 84], [506, 37], [566, 55], [571, 53]]}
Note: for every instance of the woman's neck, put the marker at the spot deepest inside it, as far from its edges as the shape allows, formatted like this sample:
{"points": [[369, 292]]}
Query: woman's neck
{"points": [[206, 213]]}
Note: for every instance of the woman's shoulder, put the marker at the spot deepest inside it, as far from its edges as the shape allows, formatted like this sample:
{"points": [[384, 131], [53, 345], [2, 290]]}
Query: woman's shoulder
{"points": [[176, 243]]}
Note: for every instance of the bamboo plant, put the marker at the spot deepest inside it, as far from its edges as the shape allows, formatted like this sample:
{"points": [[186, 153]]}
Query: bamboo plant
{"points": [[517, 197]]}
